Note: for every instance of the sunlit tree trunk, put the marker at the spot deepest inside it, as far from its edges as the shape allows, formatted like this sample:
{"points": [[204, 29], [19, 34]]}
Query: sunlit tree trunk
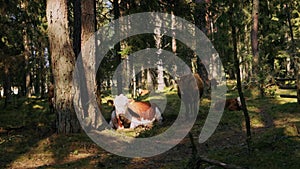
{"points": [[63, 61], [158, 45]]}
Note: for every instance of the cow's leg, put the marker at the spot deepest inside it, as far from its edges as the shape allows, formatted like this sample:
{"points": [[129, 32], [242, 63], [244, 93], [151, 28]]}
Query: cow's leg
{"points": [[120, 125]]}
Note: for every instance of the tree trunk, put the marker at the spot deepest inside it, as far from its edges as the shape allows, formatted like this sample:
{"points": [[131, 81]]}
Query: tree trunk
{"points": [[88, 52], [158, 45], [200, 15], [255, 50], [297, 62], [254, 37], [26, 54], [238, 79], [7, 86], [118, 45], [27, 70], [63, 62], [77, 27], [200, 18]]}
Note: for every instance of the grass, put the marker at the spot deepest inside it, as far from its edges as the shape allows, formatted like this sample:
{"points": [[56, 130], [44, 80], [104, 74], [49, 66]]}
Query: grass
{"points": [[28, 140]]}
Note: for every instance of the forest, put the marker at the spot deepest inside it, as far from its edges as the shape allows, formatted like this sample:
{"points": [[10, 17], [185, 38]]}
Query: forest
{"points": [[168, 84]]}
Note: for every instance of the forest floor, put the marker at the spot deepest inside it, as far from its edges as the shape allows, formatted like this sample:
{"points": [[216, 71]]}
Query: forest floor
{"points": [[28, 140]]}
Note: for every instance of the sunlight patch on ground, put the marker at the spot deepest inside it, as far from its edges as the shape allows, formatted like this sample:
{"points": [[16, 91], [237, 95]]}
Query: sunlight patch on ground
{"points": [[285, 100], [286, 120], [37, 107], [291, 130], [257, 123]]}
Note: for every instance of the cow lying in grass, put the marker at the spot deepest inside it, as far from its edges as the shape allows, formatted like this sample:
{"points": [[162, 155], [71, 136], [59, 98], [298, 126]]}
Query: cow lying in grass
{"points": [[131, 114], [142, 92], [231, 104]]}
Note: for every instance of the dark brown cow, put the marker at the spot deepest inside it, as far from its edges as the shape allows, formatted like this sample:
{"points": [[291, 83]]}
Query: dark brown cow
{"points": [[189, 90], [231, 104]]}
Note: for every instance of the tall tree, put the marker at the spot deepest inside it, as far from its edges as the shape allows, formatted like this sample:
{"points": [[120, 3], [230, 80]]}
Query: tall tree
{"points": [[7, 85], [63, 61], [237, 68], [297, 62], [77, 27], [88, 51], [200, 19], [118, 58], [24, 6], [254, 35], [254, 41]]}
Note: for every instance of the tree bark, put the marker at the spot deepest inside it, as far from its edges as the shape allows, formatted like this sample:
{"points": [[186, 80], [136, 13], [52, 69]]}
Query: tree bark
{"points": [[63, 62]]}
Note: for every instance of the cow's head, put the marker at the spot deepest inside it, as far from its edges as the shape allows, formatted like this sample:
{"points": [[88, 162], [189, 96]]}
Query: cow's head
{"points": [[238, 100], [234, 104], [121, 103]]}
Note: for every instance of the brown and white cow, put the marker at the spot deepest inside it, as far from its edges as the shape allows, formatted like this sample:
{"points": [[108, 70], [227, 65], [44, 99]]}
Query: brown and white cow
{"points": [[129, 113]]}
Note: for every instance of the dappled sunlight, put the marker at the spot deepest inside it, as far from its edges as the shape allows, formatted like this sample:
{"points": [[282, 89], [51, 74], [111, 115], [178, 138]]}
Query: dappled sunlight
{"points": [[286, 120], [37, 106], [280, 100], [291, 130], [256, 123]]}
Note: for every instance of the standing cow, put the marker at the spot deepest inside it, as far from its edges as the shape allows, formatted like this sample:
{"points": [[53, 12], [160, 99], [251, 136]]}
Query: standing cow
{"points": [[187, 88]]}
